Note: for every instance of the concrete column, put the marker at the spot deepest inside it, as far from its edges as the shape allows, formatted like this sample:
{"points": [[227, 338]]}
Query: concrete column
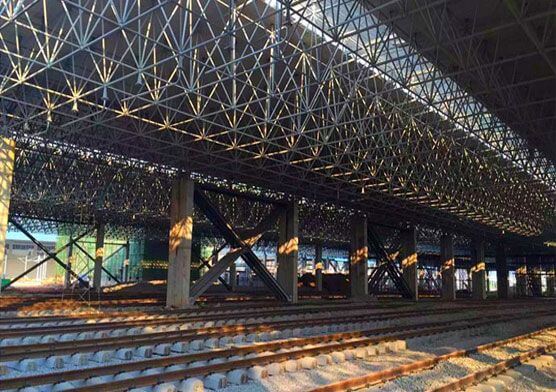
{"points": [[502, 271], [67, 274], [408, 255], [233, 277], [448, 267], [99, 256], [534, 270], [478, 271], [318, 266], [125, 270], [288, 246], [550, 282], [359, 254], [179, 244], [521, 280], [7, 162]]}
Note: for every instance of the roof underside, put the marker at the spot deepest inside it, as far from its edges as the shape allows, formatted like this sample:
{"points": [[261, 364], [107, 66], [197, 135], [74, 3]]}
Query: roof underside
{"points": [[314, 98], [503, 52]]}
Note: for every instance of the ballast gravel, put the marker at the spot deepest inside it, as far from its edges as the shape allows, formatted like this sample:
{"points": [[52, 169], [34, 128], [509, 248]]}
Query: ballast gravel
{"points": [[418, 349]]}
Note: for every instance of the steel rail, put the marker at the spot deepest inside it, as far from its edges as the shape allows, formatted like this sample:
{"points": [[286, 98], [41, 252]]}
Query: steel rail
{"points": [[493, 370], [271, 306], [18, 352], [348, 340], [4, 333], [383, 376]]}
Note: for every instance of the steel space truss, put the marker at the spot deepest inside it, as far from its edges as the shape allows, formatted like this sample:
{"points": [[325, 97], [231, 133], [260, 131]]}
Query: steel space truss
{"points": [[317, 98], [60, 189]]}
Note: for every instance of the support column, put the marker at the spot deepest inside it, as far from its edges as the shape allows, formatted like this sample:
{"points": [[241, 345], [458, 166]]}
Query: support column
{"points": [[408, 254], [318, 266], [534, 272], [179, 244], [359, 254], [7, 162], [550, 282], [287, 254], [233, 277], [448, 267], [478, 271], [125, 271], [521, 280], [99, 256], [67, 274], [502, 271]]}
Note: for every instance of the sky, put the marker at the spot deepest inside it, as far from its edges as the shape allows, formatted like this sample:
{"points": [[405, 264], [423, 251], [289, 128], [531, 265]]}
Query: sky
{"points": [[17, 235]]}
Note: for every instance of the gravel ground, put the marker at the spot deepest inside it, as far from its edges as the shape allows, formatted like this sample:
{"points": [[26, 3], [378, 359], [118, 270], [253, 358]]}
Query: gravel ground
{"points": [[451, 370], [392, 322], [418, 349], [540, 380]]}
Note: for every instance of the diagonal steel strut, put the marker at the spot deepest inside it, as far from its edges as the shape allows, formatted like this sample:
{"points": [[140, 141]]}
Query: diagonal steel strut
{"points": [[196, 254], [242, 247], [387, 266], [93, 259], [51, 255]]}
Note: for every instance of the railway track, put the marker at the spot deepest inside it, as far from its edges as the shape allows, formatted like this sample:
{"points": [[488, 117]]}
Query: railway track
{"points": [[250, 357], [43, 338], [378, 380], [219, 318], [490, 376], [180, 313], [255, 330]]}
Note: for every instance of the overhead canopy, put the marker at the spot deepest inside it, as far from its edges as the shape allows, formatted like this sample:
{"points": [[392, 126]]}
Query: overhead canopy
{"points": [[313, 98]]}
